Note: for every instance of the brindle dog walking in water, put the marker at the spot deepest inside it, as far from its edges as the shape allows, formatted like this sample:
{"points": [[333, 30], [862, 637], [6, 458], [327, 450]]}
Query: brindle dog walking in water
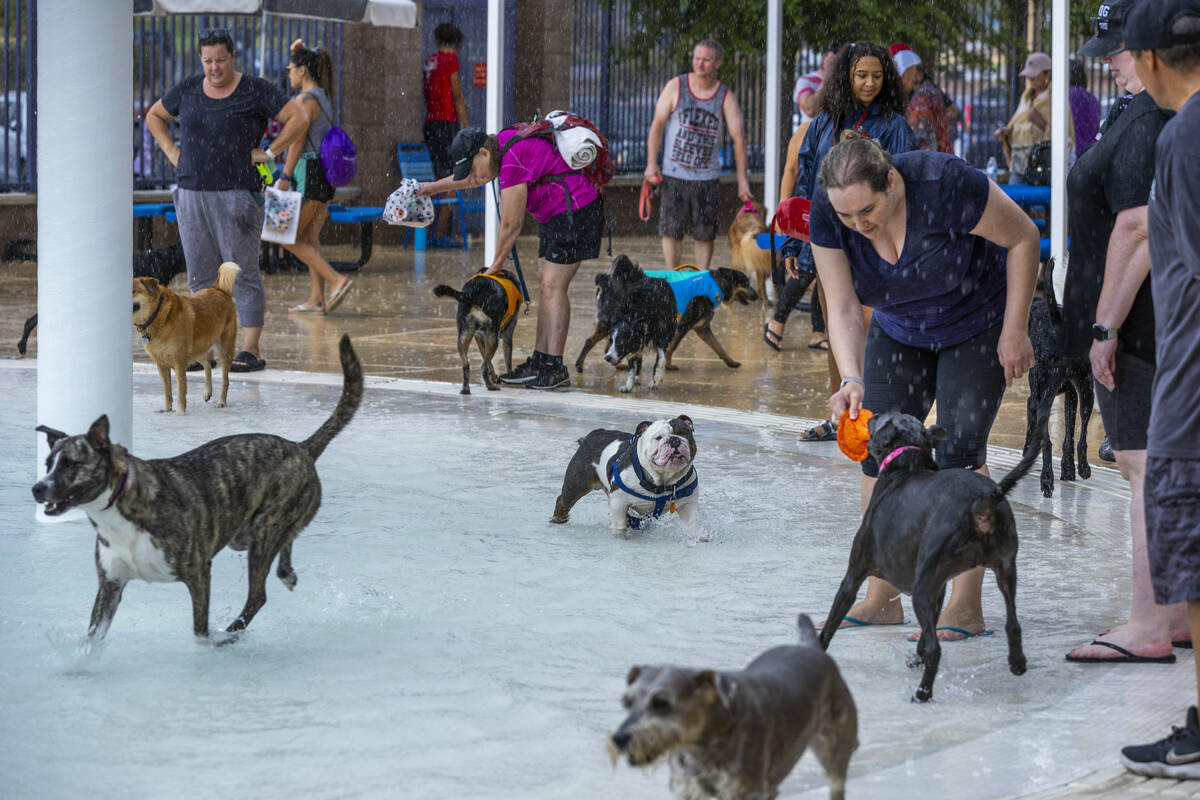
{"points": [[164, 520]]}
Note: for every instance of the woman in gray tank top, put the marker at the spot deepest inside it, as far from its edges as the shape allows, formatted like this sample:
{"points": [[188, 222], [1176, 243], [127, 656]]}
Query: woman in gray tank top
{"points": [[310, 72]]}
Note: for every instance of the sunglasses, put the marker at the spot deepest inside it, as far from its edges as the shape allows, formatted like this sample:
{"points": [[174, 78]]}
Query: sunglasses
{"points": [[215, 34]]}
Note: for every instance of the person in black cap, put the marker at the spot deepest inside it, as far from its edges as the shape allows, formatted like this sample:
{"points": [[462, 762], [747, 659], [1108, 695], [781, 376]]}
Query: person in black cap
{"points": [[1164, 36], [567, 206], [1108, 290]]}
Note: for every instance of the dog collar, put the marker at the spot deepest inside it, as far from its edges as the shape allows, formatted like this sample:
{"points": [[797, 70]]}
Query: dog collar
{"points": [[120, 488], [142, 326], [746, 209], [890, 457]]}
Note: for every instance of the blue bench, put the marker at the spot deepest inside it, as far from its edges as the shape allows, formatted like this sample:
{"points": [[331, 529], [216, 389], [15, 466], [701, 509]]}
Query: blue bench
{"points": [[365, 217], [144, 214]]}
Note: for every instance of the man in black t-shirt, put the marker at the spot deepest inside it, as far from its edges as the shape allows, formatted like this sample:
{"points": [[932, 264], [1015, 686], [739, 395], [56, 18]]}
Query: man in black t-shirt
{"points": [[1164, 36], [222, 115]]}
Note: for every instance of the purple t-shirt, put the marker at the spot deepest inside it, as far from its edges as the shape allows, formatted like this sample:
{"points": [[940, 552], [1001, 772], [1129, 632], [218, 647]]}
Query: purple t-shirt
{"points": [[534, 158], [1085, 113], [947, 285]]}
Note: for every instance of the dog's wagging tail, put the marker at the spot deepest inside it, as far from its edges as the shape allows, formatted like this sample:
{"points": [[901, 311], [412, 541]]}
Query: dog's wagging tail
{"points": [[352, 392]]}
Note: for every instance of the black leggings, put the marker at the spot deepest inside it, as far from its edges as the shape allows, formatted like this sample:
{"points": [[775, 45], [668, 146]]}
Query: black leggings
{"points": [[790, 294], [966, 380]]}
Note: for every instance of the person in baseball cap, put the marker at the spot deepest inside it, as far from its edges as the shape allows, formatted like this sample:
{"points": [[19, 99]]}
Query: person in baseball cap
{"points": [[1108, 36], [1159, 24], [467, 144], [1164, 38], [1035, 65], [1030, 123]]}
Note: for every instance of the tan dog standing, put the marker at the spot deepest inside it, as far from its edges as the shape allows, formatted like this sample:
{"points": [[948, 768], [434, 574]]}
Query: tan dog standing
{"points": [[179, 329], [746, 255]]}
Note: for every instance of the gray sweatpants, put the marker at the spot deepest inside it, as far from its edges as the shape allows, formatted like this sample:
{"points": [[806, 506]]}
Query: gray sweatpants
{"points": [[215, 227]]}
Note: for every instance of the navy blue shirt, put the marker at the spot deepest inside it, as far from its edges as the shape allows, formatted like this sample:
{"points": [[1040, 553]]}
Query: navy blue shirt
{"points": [[947, 285], [216, 136]]}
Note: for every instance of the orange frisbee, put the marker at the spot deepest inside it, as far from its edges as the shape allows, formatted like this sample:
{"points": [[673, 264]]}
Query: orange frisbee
{"points": [[853, 435]]}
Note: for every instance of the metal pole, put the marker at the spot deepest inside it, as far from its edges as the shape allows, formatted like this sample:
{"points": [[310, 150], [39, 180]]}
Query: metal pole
{"points": [[85, 218], [495, 110], [771, 139], [1060, 110]]}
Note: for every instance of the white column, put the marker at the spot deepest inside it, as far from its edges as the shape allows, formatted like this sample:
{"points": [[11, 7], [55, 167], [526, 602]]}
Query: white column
{"points": [[1060, 111], [85, 217], [495, 114], [771, 139]]}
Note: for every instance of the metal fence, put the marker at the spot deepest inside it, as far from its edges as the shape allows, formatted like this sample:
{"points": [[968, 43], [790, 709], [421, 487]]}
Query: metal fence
{"points": [[619, 94], [165, 51]]}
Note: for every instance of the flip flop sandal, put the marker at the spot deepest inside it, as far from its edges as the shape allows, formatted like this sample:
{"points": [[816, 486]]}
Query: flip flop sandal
{"points": [[850, 623], [1123, 656], [303, 309], [769, 334], [336, 298], [966, 634], [825, 432], [822, 344], [246, 361]]}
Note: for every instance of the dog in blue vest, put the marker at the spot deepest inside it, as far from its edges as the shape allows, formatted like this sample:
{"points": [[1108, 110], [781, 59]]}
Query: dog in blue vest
{"points": [[645, 474], [636, 298]]}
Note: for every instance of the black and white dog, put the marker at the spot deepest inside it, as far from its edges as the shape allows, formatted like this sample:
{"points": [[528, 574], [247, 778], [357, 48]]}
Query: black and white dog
{"points": [[923, 526], [645, 474], [487, 314], [695, 296], [164, 520], [162, 264]]}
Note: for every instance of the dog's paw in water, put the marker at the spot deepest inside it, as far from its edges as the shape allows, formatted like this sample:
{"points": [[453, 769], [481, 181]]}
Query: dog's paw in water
{"points": [[219, 638]]}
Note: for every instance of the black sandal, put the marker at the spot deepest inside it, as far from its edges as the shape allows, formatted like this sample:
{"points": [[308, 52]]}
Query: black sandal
{"points": [[825, 432], [769, 334]]}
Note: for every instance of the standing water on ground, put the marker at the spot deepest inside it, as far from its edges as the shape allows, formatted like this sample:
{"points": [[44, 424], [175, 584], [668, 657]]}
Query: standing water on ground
{"points": [[445, 640]]}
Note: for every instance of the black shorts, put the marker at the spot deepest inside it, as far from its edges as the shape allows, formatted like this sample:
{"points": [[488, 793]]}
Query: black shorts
{"points": [[572, 236], [689, 203], [966, 380], [438, 136], [1173, 528], [316, 185], [1126, 409]]}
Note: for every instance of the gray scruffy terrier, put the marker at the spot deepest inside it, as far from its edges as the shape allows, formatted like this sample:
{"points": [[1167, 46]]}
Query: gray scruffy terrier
{"points": [[737, 735]]}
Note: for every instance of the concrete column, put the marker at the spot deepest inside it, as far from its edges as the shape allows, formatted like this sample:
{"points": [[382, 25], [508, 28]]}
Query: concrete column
{"points": [[495, 113], [85, 217], [1060, 88], [771, 139]]}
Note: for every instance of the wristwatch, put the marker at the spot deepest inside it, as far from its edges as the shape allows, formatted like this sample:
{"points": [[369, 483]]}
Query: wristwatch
{"points": [[288, 178], [1101, 333]]}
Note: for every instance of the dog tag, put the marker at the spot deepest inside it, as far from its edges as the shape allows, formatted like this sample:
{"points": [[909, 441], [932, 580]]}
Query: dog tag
{"points": [[672, 508]]}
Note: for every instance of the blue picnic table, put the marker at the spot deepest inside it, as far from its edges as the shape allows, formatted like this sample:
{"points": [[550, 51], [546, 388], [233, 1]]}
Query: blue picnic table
{"points": [[1025, 195]]}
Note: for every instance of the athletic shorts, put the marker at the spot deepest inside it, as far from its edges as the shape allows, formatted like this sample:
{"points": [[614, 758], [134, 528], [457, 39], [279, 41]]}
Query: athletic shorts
{"points": [[316, 185], [684, 204], [438, 136], [572, 236], [1173, 528], [1126, 409], [966, 380]]}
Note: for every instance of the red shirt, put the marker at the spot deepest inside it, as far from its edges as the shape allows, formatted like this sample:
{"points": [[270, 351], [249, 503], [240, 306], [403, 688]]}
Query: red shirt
{"points": [[439, 102]]}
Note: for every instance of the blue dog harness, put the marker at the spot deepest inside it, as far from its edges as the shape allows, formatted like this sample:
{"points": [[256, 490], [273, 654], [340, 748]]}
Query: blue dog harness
{"points": [[688, 285], [661, 496]]}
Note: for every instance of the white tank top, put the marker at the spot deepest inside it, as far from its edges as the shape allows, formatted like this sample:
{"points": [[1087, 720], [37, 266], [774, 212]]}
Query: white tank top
{"points": [[691, 149]]}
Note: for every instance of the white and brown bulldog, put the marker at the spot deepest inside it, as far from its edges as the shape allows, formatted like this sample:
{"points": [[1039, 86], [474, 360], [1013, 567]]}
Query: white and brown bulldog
{"points": [[645, 474]]}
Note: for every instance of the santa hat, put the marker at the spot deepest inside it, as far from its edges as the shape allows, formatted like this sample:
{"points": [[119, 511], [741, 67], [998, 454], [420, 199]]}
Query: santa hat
{"points": [[897, 47], [905, 59]]}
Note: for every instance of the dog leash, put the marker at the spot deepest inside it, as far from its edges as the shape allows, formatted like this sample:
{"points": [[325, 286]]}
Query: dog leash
{"points": [[515, 258], [645, 198]]}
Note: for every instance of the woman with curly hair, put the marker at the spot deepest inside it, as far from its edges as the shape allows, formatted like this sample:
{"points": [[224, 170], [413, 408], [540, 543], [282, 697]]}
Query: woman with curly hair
{"points": [[864, 94]]}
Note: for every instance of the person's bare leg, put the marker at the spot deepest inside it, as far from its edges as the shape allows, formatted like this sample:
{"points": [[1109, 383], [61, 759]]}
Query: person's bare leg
{"points": [[671, 249], [964, 608], [1151, 627], [250, 337], [554, 307], [703, 252], [308, 249]]}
